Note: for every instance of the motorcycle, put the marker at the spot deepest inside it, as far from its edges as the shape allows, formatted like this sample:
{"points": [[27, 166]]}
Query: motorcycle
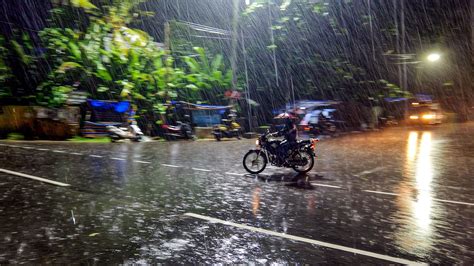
{"points": [[324, 126], [180, 131], [230, 129], [300, 157], [387, 121], [132, 132]]}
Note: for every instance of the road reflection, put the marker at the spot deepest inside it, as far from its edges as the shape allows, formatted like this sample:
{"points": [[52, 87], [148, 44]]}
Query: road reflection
{"points": [[256, 201], [415, 202]]}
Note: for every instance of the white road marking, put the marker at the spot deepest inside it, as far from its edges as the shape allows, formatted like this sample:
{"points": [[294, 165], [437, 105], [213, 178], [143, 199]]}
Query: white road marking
{"points": [[137, 161], [118, 159], [272, 167], [171, 165], [27, 147], [307, 240], [52, 182], [381, 192], [324, 185], [229, 173], [75, 153], [200, 169], [58, 151], [42, 149], [95, 156], [369, 171], [456, 202]]}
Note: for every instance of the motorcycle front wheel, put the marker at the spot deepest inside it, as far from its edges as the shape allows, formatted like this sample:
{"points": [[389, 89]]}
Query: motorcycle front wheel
{"points": [[255, 162], [309, 161]]}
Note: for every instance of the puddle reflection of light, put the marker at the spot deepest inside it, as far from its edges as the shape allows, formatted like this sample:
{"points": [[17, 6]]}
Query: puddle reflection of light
{"points": [[256, 201], [422, 207], [412, 143], [174, 152], [416, 200]]}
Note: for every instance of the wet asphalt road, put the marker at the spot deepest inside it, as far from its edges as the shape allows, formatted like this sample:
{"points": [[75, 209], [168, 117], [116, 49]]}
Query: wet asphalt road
{"points": [[402, 193]]}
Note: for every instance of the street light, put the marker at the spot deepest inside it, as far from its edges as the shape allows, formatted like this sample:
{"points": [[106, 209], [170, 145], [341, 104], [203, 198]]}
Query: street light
{"points": [[433, 57]]}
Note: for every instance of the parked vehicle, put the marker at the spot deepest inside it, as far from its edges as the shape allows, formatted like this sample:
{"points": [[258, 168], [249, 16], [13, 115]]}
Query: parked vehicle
{"points": [[132, 132], [181, 131], [229, 129], [300, 157], [387, 121], [425, 114], [320, 122]]}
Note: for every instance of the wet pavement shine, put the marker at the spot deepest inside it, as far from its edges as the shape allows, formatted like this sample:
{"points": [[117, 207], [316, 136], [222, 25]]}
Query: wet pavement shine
{"points": [[398, 196]]}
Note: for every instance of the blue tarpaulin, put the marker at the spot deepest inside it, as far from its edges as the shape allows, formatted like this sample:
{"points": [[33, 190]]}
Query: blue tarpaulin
{"points": [[119, 107], [424, 97], [395, 99]]}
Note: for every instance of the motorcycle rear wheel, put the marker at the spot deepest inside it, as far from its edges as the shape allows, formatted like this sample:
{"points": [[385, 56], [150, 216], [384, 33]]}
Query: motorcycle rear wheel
{"points": [[253, 158], [308, 166]]}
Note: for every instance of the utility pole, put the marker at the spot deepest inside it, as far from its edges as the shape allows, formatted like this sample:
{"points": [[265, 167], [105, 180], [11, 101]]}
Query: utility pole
{"points": [[397, 41], [167, 36], [249, 106], [293, 92], [274, 52], [405, 81], [402, 21], [371, 29], [233, 61]]}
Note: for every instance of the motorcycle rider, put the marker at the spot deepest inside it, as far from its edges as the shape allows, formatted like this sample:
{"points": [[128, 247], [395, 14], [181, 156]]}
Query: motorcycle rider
{"points": [[324, 124], [289, 132]]}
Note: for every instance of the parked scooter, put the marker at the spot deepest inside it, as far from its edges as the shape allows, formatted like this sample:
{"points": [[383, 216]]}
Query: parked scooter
{"points": [[388, 121], [132, 132], [181, 131], [229, 129]]}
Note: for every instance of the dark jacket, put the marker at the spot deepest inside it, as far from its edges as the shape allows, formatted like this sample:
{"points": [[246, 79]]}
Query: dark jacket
{"points": [[289, 131]]}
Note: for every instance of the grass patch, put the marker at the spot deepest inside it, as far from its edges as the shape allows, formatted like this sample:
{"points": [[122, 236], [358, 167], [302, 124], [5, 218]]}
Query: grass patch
{"points": [[15, 136], [92, 140]]}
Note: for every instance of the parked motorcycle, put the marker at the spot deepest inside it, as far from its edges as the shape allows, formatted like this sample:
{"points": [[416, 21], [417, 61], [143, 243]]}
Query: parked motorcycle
{"points": [[132, 132], [300, 157], [230, 129], [325, 128], [181, 131], [387, 121]]}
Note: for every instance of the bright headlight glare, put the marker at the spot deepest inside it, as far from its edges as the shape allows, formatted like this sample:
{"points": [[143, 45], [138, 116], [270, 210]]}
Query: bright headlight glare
{"points": [[428, 116]]}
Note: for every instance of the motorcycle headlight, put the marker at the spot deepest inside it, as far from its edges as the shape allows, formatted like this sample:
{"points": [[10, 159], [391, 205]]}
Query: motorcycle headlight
{"points": [[257, 142]]}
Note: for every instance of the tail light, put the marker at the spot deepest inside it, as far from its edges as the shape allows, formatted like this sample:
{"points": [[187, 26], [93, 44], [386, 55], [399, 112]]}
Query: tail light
{"points": [[313, 143], [306, 128]]}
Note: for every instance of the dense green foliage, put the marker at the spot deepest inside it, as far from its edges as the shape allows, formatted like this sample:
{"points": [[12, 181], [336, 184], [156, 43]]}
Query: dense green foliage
{"points": [[112, 61]]}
